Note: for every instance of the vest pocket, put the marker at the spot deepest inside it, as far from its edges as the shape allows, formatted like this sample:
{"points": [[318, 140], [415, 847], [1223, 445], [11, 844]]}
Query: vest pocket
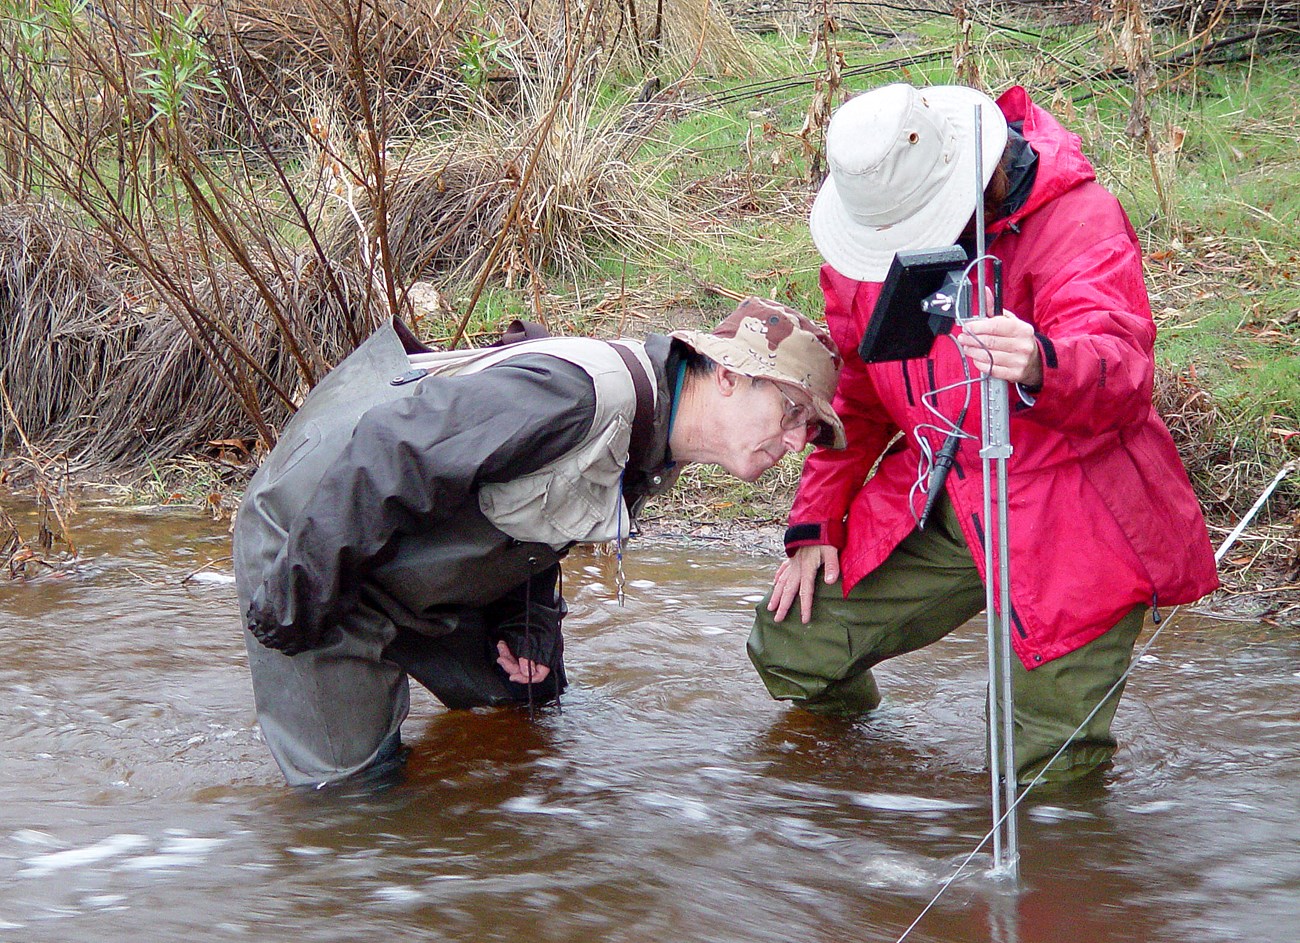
{"points": [[574, 498]]}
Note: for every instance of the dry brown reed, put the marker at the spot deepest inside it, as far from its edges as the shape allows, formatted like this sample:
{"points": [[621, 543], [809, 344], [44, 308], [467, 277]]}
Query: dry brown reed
{"points": [[541, 186], [585, 190], [223, 237], [100, 369], [444, 209], [22, 559], [61, 323], [48, 479], [165, 398], [296, 52], [677, 36], [1225, 464]]}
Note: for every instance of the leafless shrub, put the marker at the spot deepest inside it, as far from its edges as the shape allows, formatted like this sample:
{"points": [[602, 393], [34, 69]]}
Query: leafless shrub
{"points": [[286, 56], [216, 240], [535, 188], [677, 35]]}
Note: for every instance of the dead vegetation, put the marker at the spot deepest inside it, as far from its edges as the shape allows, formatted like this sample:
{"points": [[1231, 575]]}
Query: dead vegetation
{"points": [[232, 202], [202, 211], [522, 193]]}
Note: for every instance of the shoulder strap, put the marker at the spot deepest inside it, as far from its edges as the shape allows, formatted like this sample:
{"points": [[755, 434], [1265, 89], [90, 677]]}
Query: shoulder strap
{"points": [[518, 330], [643, 422]]}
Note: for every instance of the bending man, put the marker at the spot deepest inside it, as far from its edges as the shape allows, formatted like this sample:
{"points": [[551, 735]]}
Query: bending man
{"points": [[411, 519]]}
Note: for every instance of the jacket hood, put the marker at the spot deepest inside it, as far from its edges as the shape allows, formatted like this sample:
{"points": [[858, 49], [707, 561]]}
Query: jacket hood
{"points": [[1061, 165]]}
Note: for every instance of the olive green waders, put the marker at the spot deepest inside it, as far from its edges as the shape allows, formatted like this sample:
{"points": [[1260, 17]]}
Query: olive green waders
{"points": [[925, 589]]}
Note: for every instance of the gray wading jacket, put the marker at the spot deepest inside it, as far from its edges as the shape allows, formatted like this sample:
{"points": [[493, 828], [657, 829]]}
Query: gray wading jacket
{"points": [[425, 498]]}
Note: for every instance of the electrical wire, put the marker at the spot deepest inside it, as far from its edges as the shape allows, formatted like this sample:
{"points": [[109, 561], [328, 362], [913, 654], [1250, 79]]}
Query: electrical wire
{"points": [[928, 465], [929, 476]]}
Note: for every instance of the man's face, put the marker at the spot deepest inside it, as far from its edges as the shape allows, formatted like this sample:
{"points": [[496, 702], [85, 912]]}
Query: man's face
{"points": [[760, 422]]}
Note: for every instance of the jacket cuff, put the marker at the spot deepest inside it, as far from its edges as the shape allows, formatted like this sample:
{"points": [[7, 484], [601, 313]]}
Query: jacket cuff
{"points": [[1047, 357], [1028, 395], [812, 535], [535, 632]]}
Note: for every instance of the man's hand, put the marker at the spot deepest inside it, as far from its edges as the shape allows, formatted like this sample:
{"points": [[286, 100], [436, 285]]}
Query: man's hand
{"points": [[520, 670], [796, 577], [1011, 343]]}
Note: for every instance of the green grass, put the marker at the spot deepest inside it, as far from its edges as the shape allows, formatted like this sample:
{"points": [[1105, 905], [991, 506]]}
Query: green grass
{"points": [[1223, 246], [186, 482]]}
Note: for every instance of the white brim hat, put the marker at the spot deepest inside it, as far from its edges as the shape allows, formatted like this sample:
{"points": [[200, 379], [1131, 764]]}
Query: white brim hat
{"points": [[902, 174]]}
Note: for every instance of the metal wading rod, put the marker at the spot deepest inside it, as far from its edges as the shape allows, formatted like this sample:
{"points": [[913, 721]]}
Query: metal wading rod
{"points": [[994, 454], [1009, 772], [994, 691], [1170, 619]]}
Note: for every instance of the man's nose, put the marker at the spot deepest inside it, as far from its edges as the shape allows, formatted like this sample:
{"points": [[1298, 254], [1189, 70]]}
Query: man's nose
{"points": [[795, 439]]}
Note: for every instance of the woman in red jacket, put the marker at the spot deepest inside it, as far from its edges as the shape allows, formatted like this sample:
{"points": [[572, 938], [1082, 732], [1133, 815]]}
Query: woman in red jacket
{"points": [[1103, 522]]}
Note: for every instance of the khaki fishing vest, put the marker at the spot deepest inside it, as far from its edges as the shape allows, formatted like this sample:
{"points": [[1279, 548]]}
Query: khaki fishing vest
{"points": [[578, 497]]}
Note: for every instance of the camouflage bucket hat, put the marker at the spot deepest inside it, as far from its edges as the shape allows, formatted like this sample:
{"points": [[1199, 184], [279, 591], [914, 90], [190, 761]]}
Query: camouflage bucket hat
{"points": [[766, 340]]}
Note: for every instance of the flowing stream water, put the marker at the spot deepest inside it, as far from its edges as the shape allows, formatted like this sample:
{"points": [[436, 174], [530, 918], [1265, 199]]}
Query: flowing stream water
{"points": [[666, 799]]}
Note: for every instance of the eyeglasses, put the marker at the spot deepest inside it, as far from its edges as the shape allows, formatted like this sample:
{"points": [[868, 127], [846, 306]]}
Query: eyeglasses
{"points": [[794, 415]]}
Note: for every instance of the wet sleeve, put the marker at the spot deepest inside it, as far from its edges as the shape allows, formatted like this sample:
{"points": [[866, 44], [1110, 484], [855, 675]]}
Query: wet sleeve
{"points": [[410, 464]]}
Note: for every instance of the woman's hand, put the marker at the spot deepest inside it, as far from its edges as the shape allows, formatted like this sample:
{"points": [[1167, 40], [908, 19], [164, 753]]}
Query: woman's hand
{"points": [[1010, 343], [796, 577]]}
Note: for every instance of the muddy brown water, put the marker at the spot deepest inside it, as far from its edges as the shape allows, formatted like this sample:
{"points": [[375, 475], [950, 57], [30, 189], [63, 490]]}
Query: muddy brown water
{"points": [[668, 799]]}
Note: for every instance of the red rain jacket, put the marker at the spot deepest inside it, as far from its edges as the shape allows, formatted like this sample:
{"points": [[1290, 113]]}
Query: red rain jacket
{"points": [[1101, 514]]}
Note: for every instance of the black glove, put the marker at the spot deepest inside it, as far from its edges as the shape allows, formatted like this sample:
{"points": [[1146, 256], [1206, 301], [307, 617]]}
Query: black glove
{"points": [[529, 619], [534, 633], [283, 638]]}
